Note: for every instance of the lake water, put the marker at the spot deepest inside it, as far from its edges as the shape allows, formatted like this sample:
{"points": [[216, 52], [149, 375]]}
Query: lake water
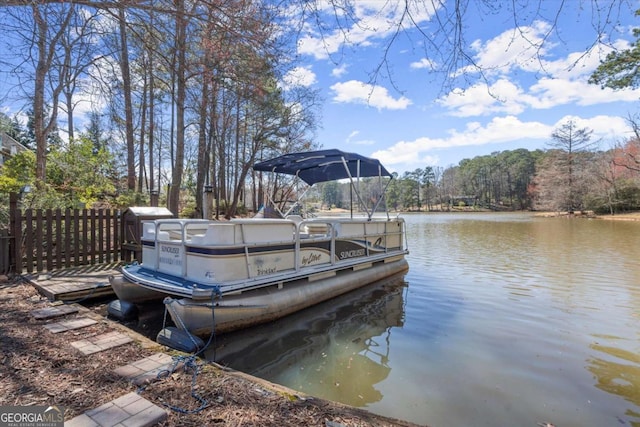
{"points": [[501, 320]]}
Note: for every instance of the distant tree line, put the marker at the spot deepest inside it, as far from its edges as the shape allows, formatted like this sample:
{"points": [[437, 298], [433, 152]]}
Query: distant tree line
{"points": [[570, 175]]}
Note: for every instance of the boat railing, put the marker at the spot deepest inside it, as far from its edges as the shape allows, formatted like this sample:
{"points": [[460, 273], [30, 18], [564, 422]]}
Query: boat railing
{"points": [[267, 246]]}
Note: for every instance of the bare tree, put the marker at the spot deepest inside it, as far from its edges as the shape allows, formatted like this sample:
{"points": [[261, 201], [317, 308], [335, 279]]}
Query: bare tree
{"points": [[180, 41], [128, 103], [628, 154], [571, 154], [78, 54], [34, 38]]}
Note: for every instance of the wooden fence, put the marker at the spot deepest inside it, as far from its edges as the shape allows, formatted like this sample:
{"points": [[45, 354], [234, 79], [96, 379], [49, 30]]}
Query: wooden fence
{"points": [[45, 240]]}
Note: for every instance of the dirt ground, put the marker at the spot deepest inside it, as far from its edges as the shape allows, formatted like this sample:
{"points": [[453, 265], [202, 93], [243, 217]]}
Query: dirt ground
{"points": [[38, 367]]}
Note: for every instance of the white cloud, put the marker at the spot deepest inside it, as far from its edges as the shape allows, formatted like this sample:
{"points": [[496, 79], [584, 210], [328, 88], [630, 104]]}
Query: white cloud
{"points": [[514, 48], [500, 129], [351, 139], [299, 76], [504, 129], [607, 128], [339, 71], [580, 65], [356, 92], [503, 97], [368, 20], [565, 83], [423, 63], [548, 93]]}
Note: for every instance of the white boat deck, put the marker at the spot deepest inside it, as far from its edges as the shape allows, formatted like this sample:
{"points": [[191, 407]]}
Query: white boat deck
{"points": [[243, 254]]}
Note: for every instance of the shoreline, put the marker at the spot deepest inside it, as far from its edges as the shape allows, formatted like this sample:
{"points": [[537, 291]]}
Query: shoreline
{"points": [[38, 367], [627, 216], [630, 216]]}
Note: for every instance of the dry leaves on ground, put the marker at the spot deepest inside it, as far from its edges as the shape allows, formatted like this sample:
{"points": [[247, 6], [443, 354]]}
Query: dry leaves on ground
{"points": [[38, 367]]}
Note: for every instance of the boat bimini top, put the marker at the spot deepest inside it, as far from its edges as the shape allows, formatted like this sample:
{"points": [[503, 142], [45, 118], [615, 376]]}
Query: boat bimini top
{"points": [[330, 165]]}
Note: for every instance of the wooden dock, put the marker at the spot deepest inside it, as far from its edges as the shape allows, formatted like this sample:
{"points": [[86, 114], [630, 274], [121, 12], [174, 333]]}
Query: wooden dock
{"points": [[77, 283]]}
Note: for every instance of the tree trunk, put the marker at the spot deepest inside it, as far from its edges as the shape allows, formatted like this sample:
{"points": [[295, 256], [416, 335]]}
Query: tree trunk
{"points": [[143, 126], [203, 153], [176, 178], [38, 97], [128, 104], [152, 187]]}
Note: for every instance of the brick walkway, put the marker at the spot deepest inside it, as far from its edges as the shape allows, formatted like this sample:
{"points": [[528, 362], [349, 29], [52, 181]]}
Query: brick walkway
{"points": [[69, 325], [51, 312], [145, 370], [130, 410], [101, 342]]}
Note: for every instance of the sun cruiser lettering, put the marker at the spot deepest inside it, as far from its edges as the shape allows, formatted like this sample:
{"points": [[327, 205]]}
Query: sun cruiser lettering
{"points": [[352, 254]]}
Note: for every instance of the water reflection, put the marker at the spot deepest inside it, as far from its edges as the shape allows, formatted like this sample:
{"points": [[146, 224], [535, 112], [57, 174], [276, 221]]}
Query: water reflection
{"points": [[337, 349], [536, 292], [618, 373]]}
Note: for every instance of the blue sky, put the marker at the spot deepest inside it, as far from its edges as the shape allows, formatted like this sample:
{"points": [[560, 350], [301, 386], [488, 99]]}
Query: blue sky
{"points": [[410, 118]]}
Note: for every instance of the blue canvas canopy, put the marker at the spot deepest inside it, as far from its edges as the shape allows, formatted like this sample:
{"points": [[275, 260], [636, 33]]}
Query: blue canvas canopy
{"points": [[323, 165]]}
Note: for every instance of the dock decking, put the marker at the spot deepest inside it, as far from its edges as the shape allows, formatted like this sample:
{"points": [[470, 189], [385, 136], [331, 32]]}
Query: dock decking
{"points": [[74, 284]]}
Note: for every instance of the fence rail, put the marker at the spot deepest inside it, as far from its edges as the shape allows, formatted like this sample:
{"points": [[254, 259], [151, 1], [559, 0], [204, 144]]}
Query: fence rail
{"points": [[44, 240]]}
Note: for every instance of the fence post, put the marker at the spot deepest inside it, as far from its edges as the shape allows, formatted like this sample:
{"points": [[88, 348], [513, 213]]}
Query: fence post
{"points": [[15, 253], [5, 265]]}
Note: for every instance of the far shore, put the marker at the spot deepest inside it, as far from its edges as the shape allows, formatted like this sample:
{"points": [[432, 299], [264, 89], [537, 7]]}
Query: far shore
{"points": [[627, 216], [630, 216]]}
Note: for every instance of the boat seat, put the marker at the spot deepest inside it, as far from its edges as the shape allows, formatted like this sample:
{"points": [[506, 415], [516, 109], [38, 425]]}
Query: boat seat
{"points": [[148, 231], [197, 239], [216, 234], [317, 228]]}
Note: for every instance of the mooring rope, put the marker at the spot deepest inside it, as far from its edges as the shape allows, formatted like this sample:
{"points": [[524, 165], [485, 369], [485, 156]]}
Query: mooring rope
{"points": [[189, 363]]}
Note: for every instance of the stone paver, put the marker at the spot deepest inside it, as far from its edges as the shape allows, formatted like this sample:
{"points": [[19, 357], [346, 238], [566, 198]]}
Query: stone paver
{"points": [[68, 325], [51, 312], [101, 342], [130, 410], [145, 370]]}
